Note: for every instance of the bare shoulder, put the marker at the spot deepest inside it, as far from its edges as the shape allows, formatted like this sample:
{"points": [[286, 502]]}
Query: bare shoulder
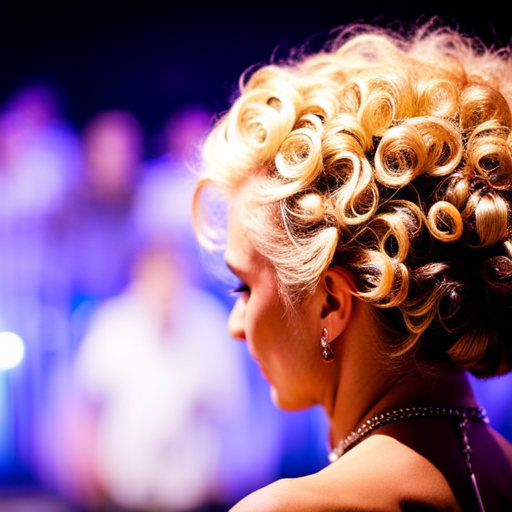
{"points": [[386, 471], [380, 471], [276, 497]]}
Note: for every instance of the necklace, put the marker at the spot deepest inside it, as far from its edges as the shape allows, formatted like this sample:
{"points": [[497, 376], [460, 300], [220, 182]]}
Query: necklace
{"points": [[463, 414]]}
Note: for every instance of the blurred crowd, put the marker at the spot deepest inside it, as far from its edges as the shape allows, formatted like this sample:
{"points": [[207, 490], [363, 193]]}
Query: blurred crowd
{"points": [[131, 394]]}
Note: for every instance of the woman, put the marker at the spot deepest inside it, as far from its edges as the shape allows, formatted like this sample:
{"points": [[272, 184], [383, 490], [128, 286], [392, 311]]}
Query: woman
{"points": [[369, 193]]}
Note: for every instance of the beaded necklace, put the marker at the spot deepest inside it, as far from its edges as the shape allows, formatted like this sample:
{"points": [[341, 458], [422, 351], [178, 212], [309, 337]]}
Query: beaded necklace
{"points": [[463, 415]]}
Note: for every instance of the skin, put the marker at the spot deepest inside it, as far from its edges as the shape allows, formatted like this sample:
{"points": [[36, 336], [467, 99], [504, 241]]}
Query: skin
{"points": [[410, 462]]}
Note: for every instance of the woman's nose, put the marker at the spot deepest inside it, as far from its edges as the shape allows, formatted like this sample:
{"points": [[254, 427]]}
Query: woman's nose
{"points": [[236, 321]]}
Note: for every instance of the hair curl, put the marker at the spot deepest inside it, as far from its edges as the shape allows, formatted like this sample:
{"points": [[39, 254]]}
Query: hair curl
{"points": [[391, 156]]}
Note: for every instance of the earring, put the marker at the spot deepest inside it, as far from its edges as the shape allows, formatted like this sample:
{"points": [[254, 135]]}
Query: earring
{"points": [[327, 353]]}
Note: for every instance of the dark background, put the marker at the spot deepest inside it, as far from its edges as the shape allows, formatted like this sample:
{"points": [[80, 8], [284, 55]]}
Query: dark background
{"points": [[150, 57]]}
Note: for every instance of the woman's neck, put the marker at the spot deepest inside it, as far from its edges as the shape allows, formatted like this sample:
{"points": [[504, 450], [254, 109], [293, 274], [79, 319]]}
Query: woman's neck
{"points": [[369, 384]]}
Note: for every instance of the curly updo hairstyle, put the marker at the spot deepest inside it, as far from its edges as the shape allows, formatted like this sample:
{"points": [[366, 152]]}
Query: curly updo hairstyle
{"points": [[388, 154]]}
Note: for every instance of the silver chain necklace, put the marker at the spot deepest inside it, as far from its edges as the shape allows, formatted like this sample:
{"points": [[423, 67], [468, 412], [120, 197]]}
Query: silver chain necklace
{"points": [[463, 415]]}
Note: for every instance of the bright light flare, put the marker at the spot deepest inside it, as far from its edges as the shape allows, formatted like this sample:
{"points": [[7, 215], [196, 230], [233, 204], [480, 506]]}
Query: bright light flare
{"points": [[12, 350]]}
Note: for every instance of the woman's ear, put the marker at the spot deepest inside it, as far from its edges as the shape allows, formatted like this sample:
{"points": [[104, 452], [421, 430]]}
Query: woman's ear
{"points": [[338, 299]]}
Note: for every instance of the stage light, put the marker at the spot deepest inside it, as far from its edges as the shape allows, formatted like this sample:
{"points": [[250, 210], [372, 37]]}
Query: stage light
{"points": [[12, 350]]}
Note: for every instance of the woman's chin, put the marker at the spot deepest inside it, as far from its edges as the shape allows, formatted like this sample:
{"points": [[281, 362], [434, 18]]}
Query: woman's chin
{"points": [[286, 403]]}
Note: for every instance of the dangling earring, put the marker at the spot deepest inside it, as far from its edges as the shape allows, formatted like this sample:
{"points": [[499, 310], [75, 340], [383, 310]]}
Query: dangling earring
{"points": [[327, 353]]}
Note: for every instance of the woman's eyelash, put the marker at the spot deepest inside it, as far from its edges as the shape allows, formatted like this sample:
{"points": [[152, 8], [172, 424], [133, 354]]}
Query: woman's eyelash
{"points": [[241, 288]]}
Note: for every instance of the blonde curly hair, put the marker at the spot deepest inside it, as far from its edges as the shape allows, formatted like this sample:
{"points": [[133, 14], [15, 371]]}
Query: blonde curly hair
{"points": [[388, 154]]}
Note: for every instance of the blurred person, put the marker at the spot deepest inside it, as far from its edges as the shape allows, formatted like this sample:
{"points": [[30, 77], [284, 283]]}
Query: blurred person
{"points": [[90, 243], [38, 155], [91, 239], [164, 195], [39, 151], [159, 397]]}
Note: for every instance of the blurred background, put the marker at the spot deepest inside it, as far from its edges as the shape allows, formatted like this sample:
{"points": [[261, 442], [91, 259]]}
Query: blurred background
{"points": [[120, 388]]}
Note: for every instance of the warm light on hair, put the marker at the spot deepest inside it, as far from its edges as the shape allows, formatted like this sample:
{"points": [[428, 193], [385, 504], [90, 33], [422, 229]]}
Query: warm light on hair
{"points": [[391, 157]]}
